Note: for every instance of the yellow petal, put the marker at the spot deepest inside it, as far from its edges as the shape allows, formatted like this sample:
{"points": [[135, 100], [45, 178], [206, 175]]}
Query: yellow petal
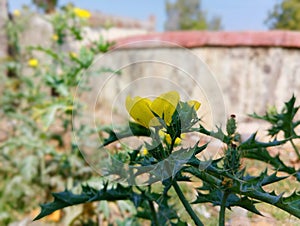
{"points": [[73, 54], [55, 37], [82, 13], [165, 105], [144, 151], [169, 140], [195, 104], [16, 13], [177, 141], [139, 110], [161, 133], [33, 62]]}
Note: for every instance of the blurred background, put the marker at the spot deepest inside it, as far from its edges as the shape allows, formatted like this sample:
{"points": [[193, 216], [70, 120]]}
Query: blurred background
{"points": [[251, 48], [234, 15]]}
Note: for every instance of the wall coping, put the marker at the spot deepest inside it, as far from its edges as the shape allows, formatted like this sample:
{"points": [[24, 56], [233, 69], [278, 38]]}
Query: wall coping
{"points": [[193, 39]]}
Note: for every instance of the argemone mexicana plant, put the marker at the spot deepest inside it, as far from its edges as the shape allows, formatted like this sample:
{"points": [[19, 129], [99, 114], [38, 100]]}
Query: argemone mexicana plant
{"points": [[225, 181]]}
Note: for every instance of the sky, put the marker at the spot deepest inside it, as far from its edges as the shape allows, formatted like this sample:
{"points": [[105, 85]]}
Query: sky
{"points": [[237, 15]]}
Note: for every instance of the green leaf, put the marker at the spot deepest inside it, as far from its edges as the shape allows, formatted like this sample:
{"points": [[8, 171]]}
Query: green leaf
{"points": [[247, 204], [134, 129], [48, 112], [219, 134], [263, 155], [251, 143], [88, 194], [215, 197], [49, 52], [282, 121], [263, 179]]}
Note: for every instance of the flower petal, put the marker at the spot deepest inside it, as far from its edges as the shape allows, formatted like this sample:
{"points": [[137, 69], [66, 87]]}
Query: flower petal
{"points": [[139, 110], [195, 104], [165, 105]]}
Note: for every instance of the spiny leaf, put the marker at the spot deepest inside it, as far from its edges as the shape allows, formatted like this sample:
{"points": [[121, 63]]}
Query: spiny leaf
{"points": [[88, 194], [215, 197], [198, 149], [271, 198], [247, 204], [262, 154], [219, 134], [253, 143], [134, 129], [263, 179], [282, 121]]}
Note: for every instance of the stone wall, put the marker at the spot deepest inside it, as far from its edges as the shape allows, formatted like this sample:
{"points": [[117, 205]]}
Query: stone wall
{"points": [[254, 70], [39, 31]]}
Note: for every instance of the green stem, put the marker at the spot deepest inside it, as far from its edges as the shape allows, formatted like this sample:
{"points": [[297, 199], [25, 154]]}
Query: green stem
{"points": [[172, 145], [295, 148], [186, 204], [153, 213], [223, 208]]}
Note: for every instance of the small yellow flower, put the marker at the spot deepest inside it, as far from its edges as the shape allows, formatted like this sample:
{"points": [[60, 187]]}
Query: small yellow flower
{"points": [[33, 62], [16, 13], [169, 140], [146, 112], [82, 13], [144, 151], [141, 109], [165, 105], [55, 37], [73, 54]]}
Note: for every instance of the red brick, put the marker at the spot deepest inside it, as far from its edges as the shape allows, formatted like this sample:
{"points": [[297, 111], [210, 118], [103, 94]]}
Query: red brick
{"points": [[192, 39]]}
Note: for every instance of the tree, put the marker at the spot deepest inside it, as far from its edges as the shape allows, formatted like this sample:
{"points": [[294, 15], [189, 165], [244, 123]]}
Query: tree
{"points": [[285, 15], [188, 15], [48, 6]]}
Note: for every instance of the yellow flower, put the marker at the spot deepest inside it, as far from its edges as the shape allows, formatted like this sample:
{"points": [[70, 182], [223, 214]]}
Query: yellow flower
{"points": [[168, 139], [73, 55], [141, 109], [82, 13], [177, 140], [144, 151], [16, 13], [146, 112], [55, 37], [33, 62], [165, 105]]}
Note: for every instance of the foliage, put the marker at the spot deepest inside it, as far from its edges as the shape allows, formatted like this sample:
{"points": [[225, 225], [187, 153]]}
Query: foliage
{"points": [[285, 15], [188, 15], [48, 6], [37, 154], [225, 180]]}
